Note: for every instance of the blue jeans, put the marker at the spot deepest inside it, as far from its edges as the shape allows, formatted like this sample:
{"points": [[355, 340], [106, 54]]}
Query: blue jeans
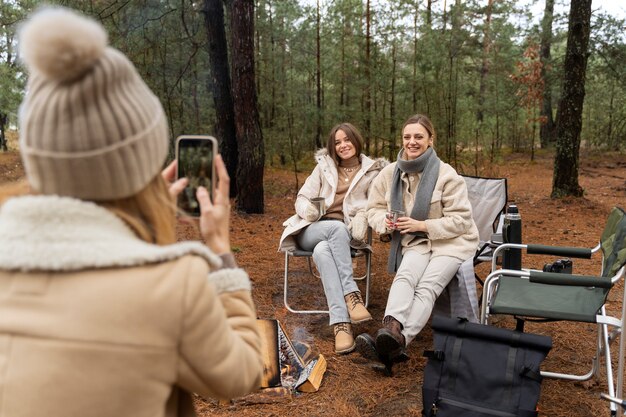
{"points": [[330, 242]]}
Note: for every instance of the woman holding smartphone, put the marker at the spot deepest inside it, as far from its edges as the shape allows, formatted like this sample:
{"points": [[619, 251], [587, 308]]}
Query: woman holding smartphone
{"points": [[102, 312], [342, 179], [430, 240]]}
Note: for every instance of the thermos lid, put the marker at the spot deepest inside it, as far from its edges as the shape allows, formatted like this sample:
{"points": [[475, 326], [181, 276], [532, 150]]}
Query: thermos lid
{"points": [[512, 209]]}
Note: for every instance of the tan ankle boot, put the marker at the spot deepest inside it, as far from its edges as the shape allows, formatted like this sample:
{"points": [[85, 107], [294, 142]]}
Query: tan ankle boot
{"points": [[344, 341], [356, 308]]}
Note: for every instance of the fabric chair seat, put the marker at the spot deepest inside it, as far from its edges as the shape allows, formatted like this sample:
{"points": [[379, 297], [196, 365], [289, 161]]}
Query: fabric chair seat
{"points": [[518, 296]]}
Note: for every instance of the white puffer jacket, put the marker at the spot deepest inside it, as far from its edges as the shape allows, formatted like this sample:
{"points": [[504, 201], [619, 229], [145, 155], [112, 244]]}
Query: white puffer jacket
{"points": [[323, 183]]}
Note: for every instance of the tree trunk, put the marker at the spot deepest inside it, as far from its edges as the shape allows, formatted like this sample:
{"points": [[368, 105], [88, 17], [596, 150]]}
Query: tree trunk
{"points": [[248, 129], [546, 131], [415, 60], [220, 86], [569, 121], [482, 89], [270, 121], [3, 139], [368, 81], [318, 79], [392, 105], [484, 70], [452, 85]]}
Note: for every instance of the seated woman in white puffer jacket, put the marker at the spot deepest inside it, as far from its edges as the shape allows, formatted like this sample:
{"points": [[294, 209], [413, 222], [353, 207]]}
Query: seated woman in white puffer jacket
{"points": [[342, 177]]}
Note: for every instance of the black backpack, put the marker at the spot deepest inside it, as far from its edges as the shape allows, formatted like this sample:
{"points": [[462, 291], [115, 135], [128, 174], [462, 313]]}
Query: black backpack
{"points": [[477, 370]]}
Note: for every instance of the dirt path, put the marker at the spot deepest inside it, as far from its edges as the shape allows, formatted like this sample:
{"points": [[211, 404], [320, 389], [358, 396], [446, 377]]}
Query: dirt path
{"points": [[351, 387]]}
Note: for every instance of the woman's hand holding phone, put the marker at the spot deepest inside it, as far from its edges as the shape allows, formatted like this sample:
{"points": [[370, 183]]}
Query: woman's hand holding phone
{"points": [[215, 216], [176, 186]]}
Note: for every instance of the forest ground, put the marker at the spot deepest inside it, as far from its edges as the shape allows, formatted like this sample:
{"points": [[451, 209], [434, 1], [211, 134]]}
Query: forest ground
{"points": [[351, 385]]}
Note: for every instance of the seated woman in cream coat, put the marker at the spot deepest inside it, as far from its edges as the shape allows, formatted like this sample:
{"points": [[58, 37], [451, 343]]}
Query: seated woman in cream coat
{"points": [[342, 177], [429, 242]]}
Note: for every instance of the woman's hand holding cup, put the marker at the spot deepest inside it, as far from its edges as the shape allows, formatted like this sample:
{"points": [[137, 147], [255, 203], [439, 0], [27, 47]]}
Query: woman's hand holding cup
{"points": [[391, 219]]}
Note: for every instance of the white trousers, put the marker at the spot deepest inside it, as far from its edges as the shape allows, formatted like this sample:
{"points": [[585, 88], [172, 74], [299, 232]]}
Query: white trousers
{"points": [[419, 281]]}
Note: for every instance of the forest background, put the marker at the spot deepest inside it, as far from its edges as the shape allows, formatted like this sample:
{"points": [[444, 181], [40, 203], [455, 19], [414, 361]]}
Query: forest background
{"points": [[269, 78], [281, 73]]}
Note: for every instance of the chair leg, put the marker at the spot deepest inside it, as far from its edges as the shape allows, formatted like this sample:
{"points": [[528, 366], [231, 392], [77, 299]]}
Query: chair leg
{"points": [[620, 363], [355, 264], [603, 331], [311, 270], [368, 275], [286, 292]]}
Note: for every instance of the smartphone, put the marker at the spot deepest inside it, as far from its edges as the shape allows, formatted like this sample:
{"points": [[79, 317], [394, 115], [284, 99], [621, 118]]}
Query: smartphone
{"points": [[195, 156]]}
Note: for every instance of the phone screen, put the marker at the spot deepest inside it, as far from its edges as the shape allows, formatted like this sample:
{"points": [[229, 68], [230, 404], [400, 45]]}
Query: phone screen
{"points": [[195, 161]]}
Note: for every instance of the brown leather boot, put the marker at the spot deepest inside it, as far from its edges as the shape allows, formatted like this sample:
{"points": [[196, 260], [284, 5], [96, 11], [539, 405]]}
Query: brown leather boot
{"points": [[356, 308], [390, 341], [344, 340]]}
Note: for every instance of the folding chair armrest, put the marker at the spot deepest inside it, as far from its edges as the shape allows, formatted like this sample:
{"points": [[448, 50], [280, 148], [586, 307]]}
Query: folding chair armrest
{"points": [[583, 253], [533, 249], [556, 278]]}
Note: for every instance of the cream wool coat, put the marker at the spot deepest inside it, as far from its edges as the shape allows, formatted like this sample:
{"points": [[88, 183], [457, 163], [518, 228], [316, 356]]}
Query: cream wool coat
{"points": [[94, 322], [451, 228], [323, 183]]}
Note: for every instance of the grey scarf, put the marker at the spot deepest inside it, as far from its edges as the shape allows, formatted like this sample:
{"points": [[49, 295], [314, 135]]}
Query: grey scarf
{"points": [[428, 164]]}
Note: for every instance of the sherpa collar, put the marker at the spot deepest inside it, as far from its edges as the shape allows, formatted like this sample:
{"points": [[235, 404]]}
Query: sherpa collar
{"points": [[50, 233]]}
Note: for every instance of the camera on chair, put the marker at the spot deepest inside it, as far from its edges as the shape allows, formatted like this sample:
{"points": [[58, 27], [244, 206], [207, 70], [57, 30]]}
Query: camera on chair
{"points": [[560, 266]]}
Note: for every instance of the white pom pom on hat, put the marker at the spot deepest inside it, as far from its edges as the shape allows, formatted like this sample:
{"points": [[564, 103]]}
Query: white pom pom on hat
{"points": [[90, 127], [61, 43]]}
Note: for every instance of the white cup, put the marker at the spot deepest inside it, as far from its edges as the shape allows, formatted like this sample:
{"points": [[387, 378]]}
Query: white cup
{"points": [[320, 203]]}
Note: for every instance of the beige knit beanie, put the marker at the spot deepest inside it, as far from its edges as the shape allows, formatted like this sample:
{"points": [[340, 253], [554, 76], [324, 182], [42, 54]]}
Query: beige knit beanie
{"points": [[89, 126]]}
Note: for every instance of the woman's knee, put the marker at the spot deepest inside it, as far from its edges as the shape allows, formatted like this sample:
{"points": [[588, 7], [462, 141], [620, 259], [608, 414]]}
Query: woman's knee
{"points": [[340, 231], [427, 293], [405, 277], [320, 250]]}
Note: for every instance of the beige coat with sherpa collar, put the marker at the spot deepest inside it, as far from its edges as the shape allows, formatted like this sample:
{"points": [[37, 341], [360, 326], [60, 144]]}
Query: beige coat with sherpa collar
{"points": [[94, 322], [451, 228], [323, 183]]}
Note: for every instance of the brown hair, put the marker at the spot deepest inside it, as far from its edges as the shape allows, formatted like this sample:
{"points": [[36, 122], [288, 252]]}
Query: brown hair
{"points": [[353, 134], [422, 120], [150, 213]]}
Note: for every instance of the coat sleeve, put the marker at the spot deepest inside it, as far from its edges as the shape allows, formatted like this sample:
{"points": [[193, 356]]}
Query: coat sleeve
{"points": [[456, 210], [220, 348], [311, 188], [377, 205]]}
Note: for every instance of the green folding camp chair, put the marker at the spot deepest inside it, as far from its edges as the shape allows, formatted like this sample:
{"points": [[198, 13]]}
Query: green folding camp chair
{"points": [[560, 296]]}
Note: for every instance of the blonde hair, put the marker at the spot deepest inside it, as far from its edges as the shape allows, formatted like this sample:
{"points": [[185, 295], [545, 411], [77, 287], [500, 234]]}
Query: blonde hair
{"points": [[14, 189], [150, 213]]}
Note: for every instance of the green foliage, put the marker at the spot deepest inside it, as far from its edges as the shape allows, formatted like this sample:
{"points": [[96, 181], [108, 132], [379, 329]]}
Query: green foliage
{"points": [[604, 116], [420, 61], [12, 77]]}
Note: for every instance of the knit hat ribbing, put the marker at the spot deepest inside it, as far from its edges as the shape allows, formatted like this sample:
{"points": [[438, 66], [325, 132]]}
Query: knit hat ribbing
{"points": [[89, 126]]}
